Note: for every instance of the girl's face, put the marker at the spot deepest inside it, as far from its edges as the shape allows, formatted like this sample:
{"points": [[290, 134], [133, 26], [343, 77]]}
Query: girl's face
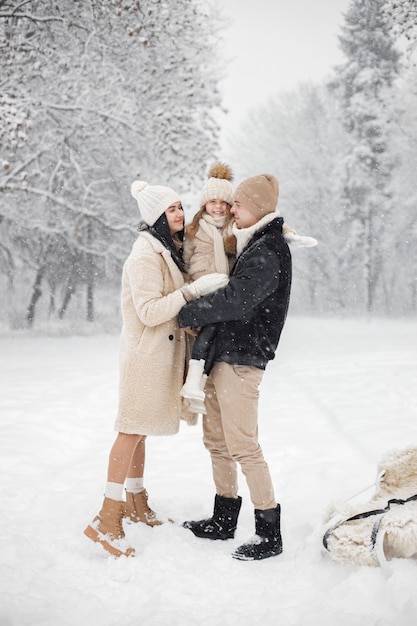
{"points": [[217, 207], [175, 218]]}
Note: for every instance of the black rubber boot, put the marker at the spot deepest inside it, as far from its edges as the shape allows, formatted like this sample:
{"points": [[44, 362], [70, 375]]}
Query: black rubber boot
{"points": [[267, 540], [222, 524]]}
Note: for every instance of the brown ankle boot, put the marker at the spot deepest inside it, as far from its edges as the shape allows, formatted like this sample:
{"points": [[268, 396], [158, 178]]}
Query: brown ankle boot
{"points": [[138, 510], [107, 529]]}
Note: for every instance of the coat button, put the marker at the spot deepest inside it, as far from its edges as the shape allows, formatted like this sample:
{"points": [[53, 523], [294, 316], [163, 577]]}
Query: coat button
{"points": [[171, 337]]}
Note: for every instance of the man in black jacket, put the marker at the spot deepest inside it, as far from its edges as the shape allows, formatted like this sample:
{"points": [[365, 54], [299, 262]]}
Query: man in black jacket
{"points": [[249, 314]]}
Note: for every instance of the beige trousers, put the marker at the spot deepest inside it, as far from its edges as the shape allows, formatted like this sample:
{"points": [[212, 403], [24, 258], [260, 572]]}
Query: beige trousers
{"points": [[231, 432]]}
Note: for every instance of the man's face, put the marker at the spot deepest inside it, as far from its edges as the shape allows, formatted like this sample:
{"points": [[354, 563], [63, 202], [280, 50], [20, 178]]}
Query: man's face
{"points": [[242, 216]]}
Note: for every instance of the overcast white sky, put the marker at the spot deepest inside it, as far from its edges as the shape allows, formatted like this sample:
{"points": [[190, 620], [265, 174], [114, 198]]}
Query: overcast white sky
{"points": [[275, 44]]}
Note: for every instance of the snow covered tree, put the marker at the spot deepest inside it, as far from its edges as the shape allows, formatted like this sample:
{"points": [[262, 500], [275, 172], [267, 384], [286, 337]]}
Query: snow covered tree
{"points": [[94, 95], [401, 17], [346, 166], [363, 85], [402, 277], [297, 136]]}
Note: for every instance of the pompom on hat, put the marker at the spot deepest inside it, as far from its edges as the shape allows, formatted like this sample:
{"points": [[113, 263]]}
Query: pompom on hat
{"points": [[259, 194], [218, 185], [152, 201]]}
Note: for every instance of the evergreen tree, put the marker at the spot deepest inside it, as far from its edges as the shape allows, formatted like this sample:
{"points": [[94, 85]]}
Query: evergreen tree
{"points": [[363, 86], [401, 18]]}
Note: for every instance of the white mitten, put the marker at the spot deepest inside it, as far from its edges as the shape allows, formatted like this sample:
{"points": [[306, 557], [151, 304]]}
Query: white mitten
{"points": [[204, 285], [299, 241]]}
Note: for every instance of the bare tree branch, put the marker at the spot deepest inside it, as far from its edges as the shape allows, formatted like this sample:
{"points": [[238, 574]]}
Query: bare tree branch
{"points": [[32, 18], [67, 205], [104, 114]]}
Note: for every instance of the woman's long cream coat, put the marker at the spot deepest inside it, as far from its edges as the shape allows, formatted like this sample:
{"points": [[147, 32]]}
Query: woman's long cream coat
{"points": [[152, 346]]}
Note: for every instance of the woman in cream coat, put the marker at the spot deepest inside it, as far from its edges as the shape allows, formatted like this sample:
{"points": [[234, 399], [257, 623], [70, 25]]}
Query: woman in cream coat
{"points": [[152, 359]]}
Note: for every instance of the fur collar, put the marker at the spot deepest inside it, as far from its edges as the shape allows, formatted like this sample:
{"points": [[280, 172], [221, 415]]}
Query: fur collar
{"points": [[244, 235], [159, 248]]}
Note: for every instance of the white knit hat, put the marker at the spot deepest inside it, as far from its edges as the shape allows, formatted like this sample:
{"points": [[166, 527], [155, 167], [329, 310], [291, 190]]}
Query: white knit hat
{"points": [[152, 201], [218, 185]]}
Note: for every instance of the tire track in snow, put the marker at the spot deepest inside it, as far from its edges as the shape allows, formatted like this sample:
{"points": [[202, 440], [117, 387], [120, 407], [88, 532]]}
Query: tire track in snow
{"points": [[302, 384]]}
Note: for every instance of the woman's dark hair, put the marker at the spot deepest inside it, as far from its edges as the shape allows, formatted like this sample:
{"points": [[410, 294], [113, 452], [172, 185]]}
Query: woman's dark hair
{"points": [[160, 230]]}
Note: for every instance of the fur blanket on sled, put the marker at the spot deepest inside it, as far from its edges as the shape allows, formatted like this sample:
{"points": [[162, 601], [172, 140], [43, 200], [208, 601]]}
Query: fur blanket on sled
{"points": [[385, 526]]}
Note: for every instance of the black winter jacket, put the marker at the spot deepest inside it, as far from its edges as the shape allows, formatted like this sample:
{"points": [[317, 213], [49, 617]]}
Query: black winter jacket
{"points": [[250, 311]]}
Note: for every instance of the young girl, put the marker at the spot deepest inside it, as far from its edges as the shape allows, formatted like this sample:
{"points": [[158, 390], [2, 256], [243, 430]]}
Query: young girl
{"points": [[210, 246]]}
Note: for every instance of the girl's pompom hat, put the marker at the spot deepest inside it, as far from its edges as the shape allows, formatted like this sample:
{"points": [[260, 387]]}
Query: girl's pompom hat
{"points": [[152, 201], [218, 185]]}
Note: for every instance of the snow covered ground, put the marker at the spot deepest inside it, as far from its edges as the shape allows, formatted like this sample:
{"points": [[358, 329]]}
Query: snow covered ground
{"points": [[339, 395]]}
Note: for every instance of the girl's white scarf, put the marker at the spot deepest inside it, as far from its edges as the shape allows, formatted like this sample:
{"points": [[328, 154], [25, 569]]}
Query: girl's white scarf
{"points": [[213, 226], [243, 235]]}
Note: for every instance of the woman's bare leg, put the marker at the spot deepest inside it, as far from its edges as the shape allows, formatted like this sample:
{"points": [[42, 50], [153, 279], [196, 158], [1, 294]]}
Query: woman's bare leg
{"points": [[123, 456], [137, 464]]}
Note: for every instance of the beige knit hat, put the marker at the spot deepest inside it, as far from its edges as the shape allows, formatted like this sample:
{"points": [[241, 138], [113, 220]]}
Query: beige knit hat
{"points": [[152, 201], [218, 185], [259, 194]]}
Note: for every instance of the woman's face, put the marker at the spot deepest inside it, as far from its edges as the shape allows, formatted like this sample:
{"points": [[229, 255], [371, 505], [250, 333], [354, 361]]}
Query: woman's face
{"points": [[175, 218], [216, 207]]}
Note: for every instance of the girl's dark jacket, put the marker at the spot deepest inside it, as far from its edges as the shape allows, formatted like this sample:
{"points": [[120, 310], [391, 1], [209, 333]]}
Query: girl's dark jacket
{"points": [[249, 313]]}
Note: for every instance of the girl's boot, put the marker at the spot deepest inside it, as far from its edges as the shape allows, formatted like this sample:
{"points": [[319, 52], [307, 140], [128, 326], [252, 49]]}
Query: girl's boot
{"points": [[193, 388]]}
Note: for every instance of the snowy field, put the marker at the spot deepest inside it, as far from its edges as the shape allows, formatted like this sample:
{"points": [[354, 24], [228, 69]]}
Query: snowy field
{"points": [[339, 395]]}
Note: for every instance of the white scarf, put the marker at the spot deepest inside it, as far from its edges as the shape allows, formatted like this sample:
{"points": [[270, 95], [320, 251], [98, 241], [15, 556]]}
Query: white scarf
{"points": [[243, 235], [212, 226]]}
